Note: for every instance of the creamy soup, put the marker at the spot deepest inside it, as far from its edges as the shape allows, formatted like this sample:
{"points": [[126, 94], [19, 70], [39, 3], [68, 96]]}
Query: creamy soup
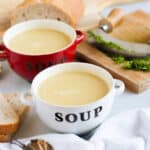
{"points": [[72, 88], [39, 41]]}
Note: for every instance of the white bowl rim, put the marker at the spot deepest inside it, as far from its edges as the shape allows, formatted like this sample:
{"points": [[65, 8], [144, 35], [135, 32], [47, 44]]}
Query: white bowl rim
{"points": [[110, 92]]}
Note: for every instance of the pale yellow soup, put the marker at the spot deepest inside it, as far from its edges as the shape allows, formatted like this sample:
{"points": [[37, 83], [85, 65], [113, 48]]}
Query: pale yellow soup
{"points": [[72, 88], [39, 41]]}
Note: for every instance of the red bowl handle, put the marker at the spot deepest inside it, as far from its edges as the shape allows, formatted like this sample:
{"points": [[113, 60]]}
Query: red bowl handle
{"points": [[3, 54], [80, 36]]}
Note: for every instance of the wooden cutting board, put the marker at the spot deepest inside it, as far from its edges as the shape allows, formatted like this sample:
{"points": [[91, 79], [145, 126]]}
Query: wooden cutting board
{"points": [[136, 81]]}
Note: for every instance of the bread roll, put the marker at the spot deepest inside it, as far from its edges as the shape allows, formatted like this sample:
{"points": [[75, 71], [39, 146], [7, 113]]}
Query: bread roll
{"points": [[68, 11]]}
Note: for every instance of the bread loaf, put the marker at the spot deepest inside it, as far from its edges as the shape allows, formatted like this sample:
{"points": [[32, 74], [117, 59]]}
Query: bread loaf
{"points": [[68, 11]]}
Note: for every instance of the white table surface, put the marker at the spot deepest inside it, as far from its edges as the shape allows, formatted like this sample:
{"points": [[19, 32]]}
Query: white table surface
{"points": [[10, 82]]}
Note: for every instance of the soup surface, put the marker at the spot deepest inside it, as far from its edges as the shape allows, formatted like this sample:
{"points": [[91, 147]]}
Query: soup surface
{"points": [[72, 88], [39, 41]]}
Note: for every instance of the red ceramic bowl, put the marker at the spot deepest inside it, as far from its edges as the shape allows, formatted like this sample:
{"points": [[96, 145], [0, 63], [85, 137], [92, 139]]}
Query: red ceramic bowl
{"points": [[27, 66]]}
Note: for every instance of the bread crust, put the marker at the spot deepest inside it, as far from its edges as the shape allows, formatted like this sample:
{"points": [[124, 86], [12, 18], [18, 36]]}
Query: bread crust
{"points": [[9, 128], [71, 9], [5, 137], [75, 8]]}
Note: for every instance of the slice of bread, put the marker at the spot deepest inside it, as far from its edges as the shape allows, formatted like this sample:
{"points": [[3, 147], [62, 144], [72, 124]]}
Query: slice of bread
{"points": [[9, 120], [68, 11], [20, 109], [6, 7], [5, 137], [17, 105]]}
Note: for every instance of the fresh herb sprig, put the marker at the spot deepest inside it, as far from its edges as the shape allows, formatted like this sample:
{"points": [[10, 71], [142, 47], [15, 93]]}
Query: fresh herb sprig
{"points": [[142, 64], [139, 64], [98, 39]]}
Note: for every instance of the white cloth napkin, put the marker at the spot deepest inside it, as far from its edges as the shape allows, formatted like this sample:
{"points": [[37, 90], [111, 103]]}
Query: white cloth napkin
{"points": [[126, 131]]}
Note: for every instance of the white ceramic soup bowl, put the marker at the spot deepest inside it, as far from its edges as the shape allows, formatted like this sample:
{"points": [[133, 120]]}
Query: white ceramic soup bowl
{"points": [[75, 119]]}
